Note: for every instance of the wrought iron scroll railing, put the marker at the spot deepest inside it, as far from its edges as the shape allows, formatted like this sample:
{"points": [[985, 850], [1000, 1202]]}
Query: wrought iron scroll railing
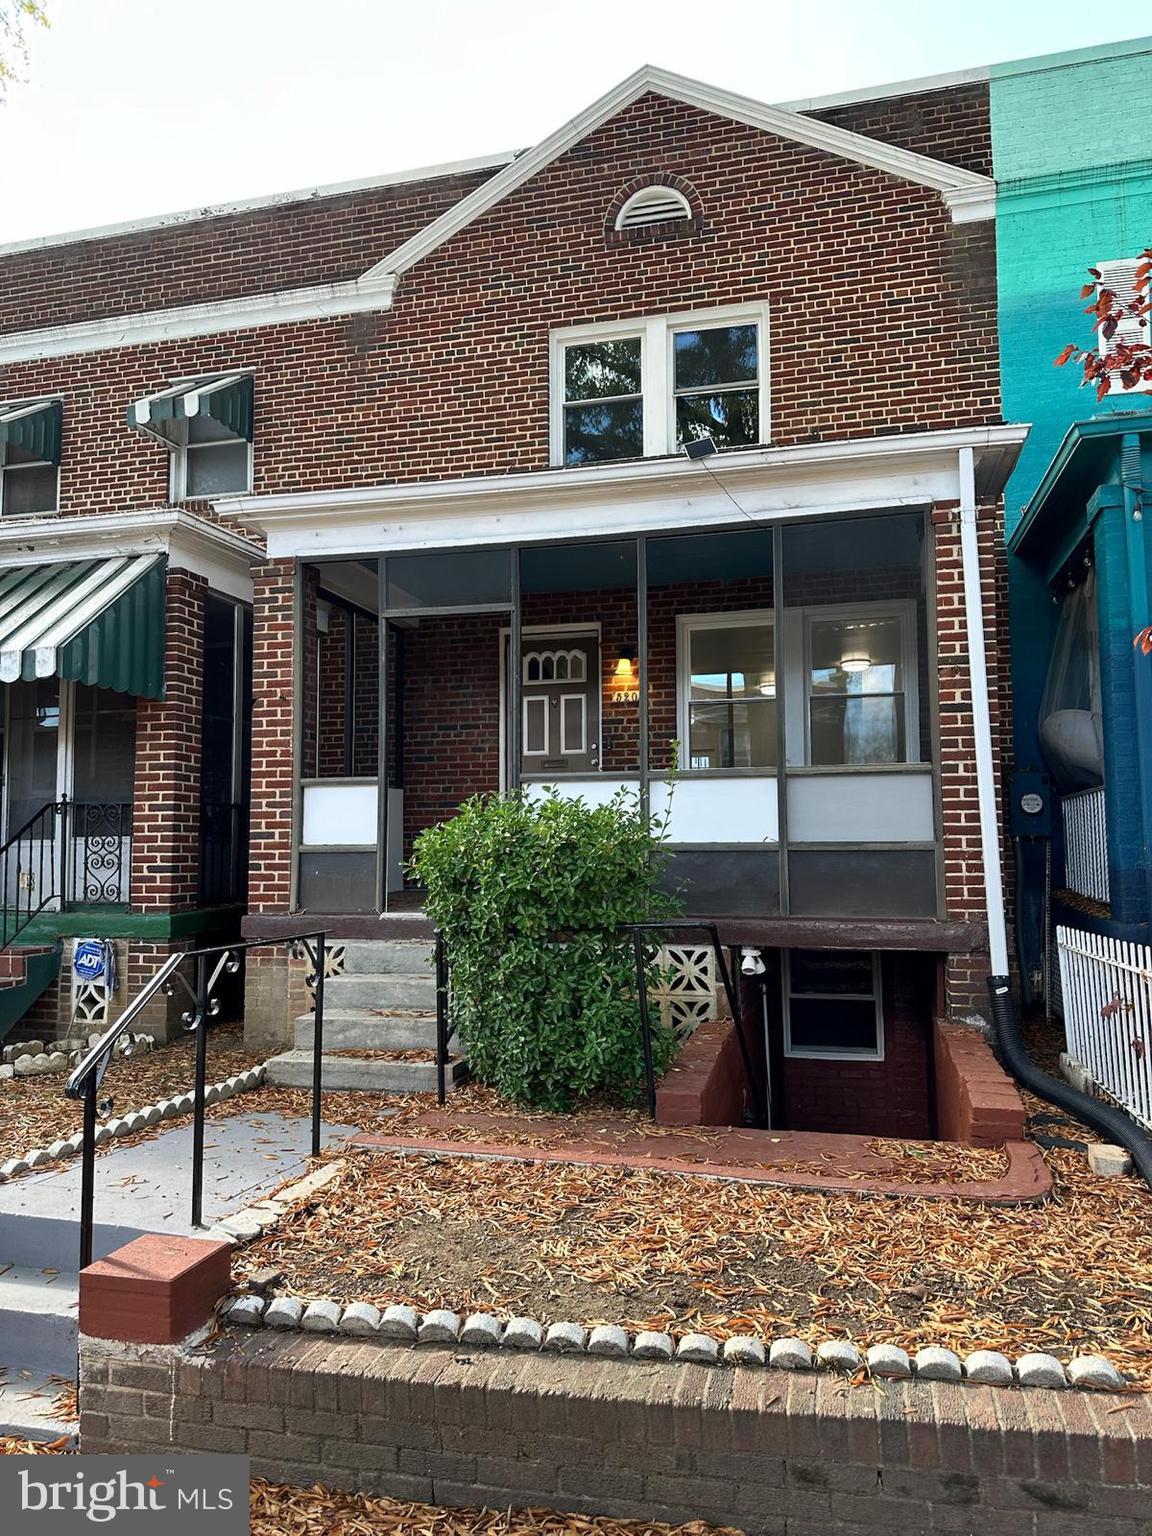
{"points": [[641, 937], [207, 968], [68, 853]]}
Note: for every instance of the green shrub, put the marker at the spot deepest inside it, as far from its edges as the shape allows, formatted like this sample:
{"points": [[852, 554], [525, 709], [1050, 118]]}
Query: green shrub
{"points": [[527, 893]]}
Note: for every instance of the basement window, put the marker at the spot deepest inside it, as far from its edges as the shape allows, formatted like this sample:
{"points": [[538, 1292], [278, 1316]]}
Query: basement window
{"points": [[206, 424], [832, 1004]]}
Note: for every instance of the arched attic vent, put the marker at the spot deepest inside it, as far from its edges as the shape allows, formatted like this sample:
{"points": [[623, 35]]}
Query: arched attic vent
{"points": [[654, 205]]}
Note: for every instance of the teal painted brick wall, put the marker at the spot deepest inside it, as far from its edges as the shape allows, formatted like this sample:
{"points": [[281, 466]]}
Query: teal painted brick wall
{"points": [[1072, 157]]}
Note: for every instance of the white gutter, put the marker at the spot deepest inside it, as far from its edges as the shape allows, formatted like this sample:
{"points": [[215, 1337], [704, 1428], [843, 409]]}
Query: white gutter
{"points": [[981, 717]]}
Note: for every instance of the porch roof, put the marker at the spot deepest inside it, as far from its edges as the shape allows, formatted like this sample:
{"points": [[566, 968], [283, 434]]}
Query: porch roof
{"points": [[92, 621]]}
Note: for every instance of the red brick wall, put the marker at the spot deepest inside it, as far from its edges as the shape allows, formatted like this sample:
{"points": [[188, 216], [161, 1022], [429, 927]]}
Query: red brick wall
{"points": [[966, 975], [166, 814], [270, 866], [882, 317], [706, 1084], [951, 124], [296, 245], [874, 1098], [976, 1100]]}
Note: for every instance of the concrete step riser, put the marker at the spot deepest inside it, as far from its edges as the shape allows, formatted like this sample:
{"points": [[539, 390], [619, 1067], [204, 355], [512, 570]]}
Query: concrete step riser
{"points": [[375, 991], [43, 1242], [348, 1075], [378, 1034], [47, 1342], [379, 957]]}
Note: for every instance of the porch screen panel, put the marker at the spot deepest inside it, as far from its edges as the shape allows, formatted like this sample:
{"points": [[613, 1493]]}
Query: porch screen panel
{"points": [[579, 679], [714, 733]]}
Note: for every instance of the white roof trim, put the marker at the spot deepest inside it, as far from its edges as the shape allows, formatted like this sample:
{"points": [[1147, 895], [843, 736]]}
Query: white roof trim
{"points": [[255, 204], [979, 75], [610, 499], [196, 320], [222, 556], [948, 180]]}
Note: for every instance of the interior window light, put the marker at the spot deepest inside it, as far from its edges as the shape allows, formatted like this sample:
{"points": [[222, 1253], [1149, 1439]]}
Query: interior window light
{"points": [[731, 696]]}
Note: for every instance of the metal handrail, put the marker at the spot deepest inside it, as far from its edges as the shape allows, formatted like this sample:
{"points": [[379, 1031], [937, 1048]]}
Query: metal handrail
{"points": [[85, 1078], [51, 810], [445, 1029]]}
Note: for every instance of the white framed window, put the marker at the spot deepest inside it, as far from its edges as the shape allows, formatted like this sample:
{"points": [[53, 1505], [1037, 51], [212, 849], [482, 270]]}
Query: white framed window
{"points": [[639, 388], [861, 685], [30, 456], [209, 462], [654, 205], [726, 682], [833, 1007], [27, 485], [1119, 277], [206, 424]]}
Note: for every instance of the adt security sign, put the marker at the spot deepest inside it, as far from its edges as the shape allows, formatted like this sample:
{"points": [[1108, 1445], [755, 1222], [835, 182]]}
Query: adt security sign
{"points": [[88, 959]]}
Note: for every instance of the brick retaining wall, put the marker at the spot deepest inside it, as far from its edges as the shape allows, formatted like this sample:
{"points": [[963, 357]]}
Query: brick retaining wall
{"points": [[774, 1453], [976, 1100]]}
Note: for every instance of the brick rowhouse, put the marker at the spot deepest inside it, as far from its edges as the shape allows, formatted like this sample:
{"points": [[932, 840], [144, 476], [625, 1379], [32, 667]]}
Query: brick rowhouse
{"points": [[882, 322]]}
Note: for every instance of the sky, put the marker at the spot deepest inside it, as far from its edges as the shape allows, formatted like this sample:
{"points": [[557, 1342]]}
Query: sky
{"points": [[132, 108]]}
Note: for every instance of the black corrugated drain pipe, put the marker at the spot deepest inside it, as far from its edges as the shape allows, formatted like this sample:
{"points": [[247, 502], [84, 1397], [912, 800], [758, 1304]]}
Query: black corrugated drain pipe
{"points": [[1107, 1121]]}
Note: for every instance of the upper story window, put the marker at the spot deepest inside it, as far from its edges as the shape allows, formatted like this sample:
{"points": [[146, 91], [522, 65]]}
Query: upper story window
{"points": [[633, 389], [1119, 277], [206, 424], [30, 457], [654, 205]]}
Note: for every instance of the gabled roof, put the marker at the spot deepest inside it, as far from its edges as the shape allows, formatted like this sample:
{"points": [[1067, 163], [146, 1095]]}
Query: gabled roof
{"points": [[969, 195]]}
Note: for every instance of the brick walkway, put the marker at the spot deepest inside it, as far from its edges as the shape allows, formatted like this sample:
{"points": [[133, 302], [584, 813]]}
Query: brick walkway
{"points": [[794, 1159]]}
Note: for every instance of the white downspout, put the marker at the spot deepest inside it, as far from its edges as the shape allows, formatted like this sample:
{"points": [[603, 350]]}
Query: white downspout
{"points": [[981, 717]]}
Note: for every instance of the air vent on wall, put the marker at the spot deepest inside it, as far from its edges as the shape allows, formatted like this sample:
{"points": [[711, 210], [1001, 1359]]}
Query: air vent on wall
{"points": [[653, 205]]}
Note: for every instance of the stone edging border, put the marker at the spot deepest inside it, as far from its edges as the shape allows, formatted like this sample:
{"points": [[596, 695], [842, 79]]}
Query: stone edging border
{"points": [[127, 1125], [404, 1325]]}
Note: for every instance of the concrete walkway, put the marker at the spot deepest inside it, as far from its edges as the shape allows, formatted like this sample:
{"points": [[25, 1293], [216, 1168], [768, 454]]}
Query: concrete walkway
{"points": [[142, 1188]]}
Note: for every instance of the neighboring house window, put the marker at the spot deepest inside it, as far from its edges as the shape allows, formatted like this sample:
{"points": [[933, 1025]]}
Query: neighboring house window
{"points": [[1119, 277], [654, 205], [206, 424], [862, 695], [29, 457], [832, 1004], [641, 388], [727, 672]]}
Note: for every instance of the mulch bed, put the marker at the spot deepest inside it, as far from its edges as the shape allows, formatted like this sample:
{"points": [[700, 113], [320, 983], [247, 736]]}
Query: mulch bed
{"points": [[35, 1113], [678, 1252]]}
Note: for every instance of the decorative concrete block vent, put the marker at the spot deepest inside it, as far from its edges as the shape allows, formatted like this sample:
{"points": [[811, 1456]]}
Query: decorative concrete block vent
{"points": [[127, 1125], [609, 1341]]}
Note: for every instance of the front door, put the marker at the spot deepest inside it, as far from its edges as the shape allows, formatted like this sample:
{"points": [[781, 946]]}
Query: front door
{"points": [[560, 705]]}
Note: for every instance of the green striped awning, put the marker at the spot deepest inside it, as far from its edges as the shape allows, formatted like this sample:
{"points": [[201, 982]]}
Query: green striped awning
{"points": [[225, 399], [33, 426], [92, 621]]}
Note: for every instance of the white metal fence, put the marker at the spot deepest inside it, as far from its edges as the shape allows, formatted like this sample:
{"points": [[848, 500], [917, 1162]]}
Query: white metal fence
{"points": [[1107, 987], [1086, 844]]}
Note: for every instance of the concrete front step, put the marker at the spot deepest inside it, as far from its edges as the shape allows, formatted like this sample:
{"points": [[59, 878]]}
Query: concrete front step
{"points": [[38, 1312], [360, 1074], [348, 1027], [377, 989], [385, 957], [30, 1241], [27, 1397]]}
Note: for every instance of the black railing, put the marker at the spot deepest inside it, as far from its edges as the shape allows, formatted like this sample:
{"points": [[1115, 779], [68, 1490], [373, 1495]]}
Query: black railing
{"points": [[32, 870], [725, 965], [68, 853], [98, 842], [208, 967]]}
